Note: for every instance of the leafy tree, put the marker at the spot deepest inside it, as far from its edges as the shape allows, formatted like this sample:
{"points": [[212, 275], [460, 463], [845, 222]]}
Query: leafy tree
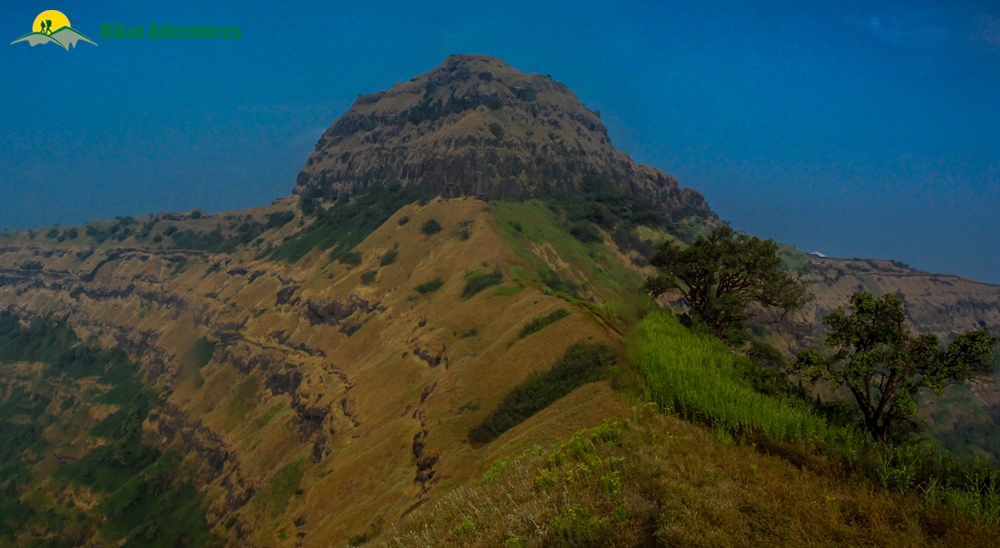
{"points": [[724, 275], [884, 366]]}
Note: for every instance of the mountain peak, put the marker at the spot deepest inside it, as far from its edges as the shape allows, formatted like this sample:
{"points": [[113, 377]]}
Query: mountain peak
{"points": [[475, 126]]}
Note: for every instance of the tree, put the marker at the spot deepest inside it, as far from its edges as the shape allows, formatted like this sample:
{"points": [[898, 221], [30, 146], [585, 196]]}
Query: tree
{"points": [[884, 366], [724, 275]]}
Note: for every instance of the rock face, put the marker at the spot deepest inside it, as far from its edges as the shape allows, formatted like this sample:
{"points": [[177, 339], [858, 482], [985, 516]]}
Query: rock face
{"points": [[475, 126]]}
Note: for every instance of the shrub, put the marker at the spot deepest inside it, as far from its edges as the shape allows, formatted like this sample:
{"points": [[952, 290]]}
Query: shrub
{"points": [[71, 234], [430, 287], [496, 130], [353, 258], [52, 233], [196, 214], [430, 227], [579, 365], [539, 323], [555, 283], [169, 230], [31, 265], [279, 219], [585, 232], [404, 220], [389, 258], [368, 278], [479, 280]]}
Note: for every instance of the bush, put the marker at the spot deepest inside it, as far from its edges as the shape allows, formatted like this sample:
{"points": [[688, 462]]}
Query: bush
{"points": [[429, 287], [71, 234], [585, 232], [279, 219], [479, 280], [557, 284], [579, 365], [389, 258], [52, 233], [31, 265], [496, 130], [169, 230], [368, 278], [353, 258], [404, 220], [196, 214], [430, 227], [540, 323]]}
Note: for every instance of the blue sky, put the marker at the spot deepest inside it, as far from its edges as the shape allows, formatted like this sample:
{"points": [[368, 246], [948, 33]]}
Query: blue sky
{"points": [[856, 129]]}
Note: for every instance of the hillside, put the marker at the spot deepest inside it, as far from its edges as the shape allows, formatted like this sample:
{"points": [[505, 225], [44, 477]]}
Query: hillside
{"points": [[422, 346]]}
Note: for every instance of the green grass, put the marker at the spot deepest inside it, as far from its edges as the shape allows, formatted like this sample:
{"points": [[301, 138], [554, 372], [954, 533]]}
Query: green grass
{"points": [[478, 280], [508, 289], [540, 323], [579, 365], [696, 374], [530, 226], [429, 287], [347, 223], [274, 496], [156, 508]]}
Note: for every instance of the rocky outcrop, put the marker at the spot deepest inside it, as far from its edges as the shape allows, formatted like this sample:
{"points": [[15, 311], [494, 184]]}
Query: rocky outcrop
{"points": [[475, 126]]}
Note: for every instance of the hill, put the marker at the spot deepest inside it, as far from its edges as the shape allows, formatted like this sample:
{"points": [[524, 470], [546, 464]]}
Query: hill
{"points": [[391, 357]]}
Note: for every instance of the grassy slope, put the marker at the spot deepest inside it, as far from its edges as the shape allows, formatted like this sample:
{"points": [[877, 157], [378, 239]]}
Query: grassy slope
{"points": [[648, 476], [393, 395]]}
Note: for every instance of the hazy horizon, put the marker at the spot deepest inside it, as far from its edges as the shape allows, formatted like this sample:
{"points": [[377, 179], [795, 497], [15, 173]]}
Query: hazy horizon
{"points": [[857, 130]]}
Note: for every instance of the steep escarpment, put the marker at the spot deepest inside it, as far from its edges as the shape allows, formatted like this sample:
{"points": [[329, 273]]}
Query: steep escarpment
{"points": [[475, 126]]}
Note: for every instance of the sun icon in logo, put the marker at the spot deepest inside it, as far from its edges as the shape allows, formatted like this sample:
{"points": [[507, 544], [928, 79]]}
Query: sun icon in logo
{"points": [[52, 26]]}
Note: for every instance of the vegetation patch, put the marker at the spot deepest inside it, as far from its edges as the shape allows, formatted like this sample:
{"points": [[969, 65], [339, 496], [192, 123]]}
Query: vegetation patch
{"points": [[346, 223], [429, 287], [202, 351], [388, 258], [540, 323], [508, 289], [368, 278], [273, 498], [696, 374], [430, 227], [352, 258], [141, 495], [581, 364], [533, 231], [279, 219], [479, 280]]}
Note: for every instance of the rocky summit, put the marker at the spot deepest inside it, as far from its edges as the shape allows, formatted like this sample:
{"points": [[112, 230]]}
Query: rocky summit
{"points": [[475, 126]]}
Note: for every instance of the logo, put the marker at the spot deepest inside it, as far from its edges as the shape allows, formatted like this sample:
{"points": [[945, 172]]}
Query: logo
{"points": [[52, 26]]}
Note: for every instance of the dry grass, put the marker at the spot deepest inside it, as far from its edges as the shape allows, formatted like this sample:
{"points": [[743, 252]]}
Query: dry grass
{"points": [[657, 480]]}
